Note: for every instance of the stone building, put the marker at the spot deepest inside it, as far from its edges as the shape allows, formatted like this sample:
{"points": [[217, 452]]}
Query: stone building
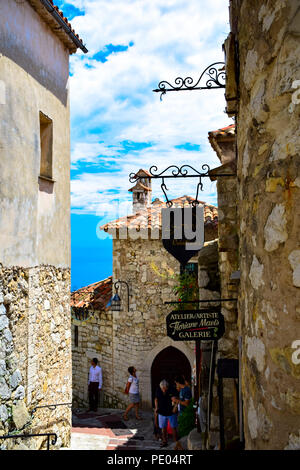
{"points": [[262, 92], [223, 266], [92, 328], [35, 332], [137, 336]]}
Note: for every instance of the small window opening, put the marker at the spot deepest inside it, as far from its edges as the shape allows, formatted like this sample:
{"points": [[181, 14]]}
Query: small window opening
{"points": [[76, 336], [46, 143]]}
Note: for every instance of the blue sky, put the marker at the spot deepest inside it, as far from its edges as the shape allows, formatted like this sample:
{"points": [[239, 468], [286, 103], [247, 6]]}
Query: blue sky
{"points": [[119, 125]]}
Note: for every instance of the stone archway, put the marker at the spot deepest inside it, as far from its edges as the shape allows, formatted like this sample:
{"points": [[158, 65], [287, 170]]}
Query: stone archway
{"points": [[167, 364], [144, 370]]}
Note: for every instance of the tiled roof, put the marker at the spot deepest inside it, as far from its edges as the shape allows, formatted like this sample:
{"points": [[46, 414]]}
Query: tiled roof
{"points": [[53, 16], [223, 142], [140, 186], [151, 216], [228, 130], [143, 172], [95, 295]]}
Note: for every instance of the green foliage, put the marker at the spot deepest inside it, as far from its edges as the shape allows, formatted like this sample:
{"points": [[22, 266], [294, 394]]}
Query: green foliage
{"points": [[186, 421], [187, 289]]}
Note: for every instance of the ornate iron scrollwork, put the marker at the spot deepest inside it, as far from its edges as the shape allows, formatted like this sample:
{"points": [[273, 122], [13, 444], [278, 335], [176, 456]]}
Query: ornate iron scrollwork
{"points": [[177, 172], [185, 171], [86, 311], [216, 79]]}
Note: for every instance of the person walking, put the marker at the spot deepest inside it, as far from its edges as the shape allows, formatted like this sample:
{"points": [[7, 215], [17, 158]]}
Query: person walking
{"points": [[132, 389], [94, 384], [164, 407]]}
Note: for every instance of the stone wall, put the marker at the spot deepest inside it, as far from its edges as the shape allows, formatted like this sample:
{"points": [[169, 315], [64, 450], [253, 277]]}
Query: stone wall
{"points": [[35, 353], [214, 276], [121, 339], [229, 264], [35, 330], [268, 140], [209, 288], [95, 339], [136, 336], [140, 334]]}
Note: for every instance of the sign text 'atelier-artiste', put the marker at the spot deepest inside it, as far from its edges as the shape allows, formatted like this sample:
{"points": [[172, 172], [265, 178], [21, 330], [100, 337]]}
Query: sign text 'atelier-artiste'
{"points": [[187, 325]]}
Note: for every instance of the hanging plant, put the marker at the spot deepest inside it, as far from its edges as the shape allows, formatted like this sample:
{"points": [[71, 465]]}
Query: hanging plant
{"points": [[186, 289]]}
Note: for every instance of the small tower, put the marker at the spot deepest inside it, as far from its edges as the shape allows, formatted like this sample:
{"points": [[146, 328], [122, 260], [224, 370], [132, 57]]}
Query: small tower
{"points": [[141, 192]]}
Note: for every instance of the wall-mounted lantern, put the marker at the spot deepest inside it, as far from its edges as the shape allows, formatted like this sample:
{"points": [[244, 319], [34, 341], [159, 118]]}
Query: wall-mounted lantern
{"points": [[116, 301]]}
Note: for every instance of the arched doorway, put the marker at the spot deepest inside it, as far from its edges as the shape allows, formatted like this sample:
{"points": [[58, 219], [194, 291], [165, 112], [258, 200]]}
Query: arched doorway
{"points": [[166, 365]]}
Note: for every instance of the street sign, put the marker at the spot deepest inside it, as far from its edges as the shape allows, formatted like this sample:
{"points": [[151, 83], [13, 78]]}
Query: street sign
{"points": [[190, 325]]}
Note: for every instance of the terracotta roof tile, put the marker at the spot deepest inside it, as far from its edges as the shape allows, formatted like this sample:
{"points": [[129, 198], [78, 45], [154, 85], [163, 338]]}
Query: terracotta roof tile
{"points": [[228, 130], [151, 216], [65, 20], [46, 9], [95, 295]]}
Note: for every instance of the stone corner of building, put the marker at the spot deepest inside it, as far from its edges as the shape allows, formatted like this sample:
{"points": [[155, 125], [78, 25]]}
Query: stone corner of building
{"points": [[195, 440]]}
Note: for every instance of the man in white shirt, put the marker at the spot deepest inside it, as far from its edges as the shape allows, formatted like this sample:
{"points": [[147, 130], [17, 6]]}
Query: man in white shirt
{"points": [[95, 384]]}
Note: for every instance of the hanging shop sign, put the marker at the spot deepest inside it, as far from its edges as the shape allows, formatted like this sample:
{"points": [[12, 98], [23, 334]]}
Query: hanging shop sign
{"points": [[183, 231], [182, 227], [190, 325]]}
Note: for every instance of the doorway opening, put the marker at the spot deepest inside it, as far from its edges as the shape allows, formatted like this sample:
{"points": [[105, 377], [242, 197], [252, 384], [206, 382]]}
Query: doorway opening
{"points": [[169, 363]]}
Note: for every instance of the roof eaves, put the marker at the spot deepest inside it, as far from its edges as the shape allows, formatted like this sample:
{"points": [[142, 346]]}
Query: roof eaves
{"points": [[63, 22]]}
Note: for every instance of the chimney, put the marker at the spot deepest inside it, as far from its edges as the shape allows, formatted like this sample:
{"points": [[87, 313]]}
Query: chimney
{"points": [[141, 192]]}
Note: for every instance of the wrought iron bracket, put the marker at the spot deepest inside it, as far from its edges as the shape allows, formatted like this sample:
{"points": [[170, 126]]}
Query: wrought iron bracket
{"points": [[185, 171], [27, 436], [215, 77], [51, 407], [118, 285]]}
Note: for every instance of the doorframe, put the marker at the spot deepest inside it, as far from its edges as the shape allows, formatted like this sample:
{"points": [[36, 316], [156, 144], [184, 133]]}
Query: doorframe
{"points": [[146, 365]]}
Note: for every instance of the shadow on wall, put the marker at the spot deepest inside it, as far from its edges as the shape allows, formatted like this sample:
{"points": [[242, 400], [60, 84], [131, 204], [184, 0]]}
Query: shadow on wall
{"points": [[57, 86]]}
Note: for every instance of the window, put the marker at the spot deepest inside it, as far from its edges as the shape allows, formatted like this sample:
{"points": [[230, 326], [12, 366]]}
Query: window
{"points": [[46, 143], [76, 336], [190, 268]]}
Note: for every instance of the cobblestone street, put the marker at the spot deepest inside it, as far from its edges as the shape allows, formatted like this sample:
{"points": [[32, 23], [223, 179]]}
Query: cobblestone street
{"points": [[106, 430]]}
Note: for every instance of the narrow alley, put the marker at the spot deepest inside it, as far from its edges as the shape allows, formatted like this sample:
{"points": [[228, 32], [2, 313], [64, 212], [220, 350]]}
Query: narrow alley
{"points": [[106, 430]]}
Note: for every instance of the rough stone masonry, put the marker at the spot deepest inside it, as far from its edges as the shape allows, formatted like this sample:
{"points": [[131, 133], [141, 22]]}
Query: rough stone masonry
{"points": [[265, 61]]}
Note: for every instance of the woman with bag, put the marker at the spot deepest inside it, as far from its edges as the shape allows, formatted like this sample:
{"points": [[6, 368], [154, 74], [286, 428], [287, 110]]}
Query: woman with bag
{"points": [[132, 389]]}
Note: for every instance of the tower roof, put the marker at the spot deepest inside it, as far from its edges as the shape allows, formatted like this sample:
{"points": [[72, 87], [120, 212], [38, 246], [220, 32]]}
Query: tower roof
{"points": [[139, 187], [143, 172]]}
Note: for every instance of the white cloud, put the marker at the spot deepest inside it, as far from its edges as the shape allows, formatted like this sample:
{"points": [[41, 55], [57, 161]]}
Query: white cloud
{"points": [[114, 102], [91, 152]]}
